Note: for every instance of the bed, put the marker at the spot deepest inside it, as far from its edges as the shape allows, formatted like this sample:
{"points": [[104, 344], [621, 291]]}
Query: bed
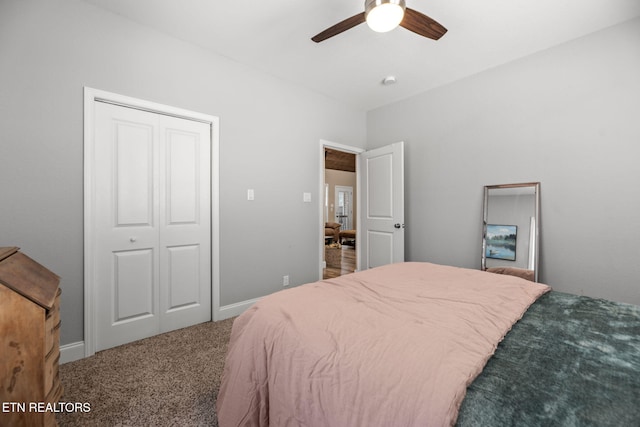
{"points": [[420, 344]]}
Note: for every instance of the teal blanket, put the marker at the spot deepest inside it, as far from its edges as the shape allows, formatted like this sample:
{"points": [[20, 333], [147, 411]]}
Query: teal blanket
{"points": [[570, 361]]}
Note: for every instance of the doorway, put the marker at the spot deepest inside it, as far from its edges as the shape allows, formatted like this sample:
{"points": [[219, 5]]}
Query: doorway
{"points": [[343, 206], [379, 200], [339, 222]]}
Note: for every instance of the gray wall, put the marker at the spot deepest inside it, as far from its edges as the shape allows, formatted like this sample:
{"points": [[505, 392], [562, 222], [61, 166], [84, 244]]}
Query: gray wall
{"points": [[568, 117], [269, 141]]}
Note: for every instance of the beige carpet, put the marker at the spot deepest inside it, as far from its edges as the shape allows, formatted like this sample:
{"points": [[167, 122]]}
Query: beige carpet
{"points": [[167, 380]]}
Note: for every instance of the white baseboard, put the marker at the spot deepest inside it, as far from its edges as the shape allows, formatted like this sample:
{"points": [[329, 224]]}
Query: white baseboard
{"points": [[75, 351], [72, 352], [231, 310]]}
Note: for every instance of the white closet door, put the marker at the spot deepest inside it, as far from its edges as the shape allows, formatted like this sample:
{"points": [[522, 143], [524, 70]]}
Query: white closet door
{"points": [[185, 223], [152, 204]]}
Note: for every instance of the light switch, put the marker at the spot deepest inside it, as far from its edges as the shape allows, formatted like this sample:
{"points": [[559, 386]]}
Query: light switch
{"points": [[250, 194], [306, 197]]}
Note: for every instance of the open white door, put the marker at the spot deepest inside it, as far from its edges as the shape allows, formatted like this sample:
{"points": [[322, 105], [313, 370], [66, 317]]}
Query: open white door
{"points": [[382, 206]]}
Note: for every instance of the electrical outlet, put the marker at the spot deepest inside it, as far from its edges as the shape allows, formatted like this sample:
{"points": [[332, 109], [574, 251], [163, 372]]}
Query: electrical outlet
{"points": [[285, 281]]}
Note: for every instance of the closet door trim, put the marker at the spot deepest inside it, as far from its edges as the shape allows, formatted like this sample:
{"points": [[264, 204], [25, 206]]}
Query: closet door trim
{"points": [[91, 96]]}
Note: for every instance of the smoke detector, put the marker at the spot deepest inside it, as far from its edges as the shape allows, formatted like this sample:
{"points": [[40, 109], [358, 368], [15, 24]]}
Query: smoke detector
{"points": [[389, 80]]}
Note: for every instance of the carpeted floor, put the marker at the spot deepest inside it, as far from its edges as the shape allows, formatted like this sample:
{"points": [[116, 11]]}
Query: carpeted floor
{"points": [[167, 380]]}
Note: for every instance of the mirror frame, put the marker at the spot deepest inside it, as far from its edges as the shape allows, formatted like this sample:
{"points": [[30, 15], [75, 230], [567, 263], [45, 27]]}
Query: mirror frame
{"points": [[536, 237]]}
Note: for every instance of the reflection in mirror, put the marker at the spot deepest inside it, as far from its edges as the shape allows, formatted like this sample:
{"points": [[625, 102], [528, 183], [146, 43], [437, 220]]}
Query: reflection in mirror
{"points": [[510, 232]]}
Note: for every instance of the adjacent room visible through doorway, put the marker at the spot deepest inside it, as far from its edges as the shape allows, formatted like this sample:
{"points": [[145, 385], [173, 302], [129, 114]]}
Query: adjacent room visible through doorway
{"points": [[340, 213]]}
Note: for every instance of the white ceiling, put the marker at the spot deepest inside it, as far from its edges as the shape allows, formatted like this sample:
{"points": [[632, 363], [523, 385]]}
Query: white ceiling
{"points": [[274, 36]]}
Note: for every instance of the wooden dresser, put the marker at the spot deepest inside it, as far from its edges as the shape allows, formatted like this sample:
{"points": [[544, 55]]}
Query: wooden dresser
{"points": [[29, 341]]}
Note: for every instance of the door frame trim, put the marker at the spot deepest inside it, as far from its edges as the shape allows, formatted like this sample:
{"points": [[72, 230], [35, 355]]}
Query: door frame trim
{"points": [[348, 149], [91, 96]]}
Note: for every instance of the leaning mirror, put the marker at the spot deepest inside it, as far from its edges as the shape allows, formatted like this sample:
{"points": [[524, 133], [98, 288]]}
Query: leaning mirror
{"points": [[510, 232]]}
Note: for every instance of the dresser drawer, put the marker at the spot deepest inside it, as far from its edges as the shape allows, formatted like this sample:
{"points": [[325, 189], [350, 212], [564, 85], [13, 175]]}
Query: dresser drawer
{"points": [[54, 396], [52, 326], [51, 369], [51, 338]]}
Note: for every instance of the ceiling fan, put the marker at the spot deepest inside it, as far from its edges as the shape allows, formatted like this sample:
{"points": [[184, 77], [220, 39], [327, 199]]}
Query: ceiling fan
{"points": [[385, 15]]}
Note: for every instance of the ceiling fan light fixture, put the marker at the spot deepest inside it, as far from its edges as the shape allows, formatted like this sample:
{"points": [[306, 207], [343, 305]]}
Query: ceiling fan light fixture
{"points": [[384, 15]]}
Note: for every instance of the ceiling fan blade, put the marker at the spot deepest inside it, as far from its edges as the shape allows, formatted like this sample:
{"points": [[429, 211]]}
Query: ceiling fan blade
{"points": [[339, 27], [422, 24]]}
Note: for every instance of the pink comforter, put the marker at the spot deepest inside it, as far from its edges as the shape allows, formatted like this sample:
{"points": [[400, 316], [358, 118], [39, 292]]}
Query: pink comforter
{"points": [[391, 346]]}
